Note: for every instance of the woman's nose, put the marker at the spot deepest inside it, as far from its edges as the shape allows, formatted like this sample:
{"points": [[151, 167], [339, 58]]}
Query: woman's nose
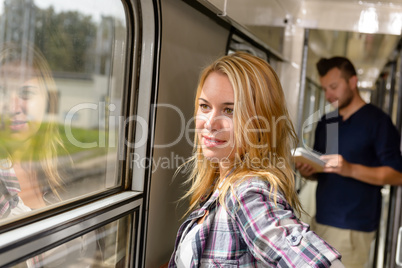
{"points": [[13, 104], [213, 121]]}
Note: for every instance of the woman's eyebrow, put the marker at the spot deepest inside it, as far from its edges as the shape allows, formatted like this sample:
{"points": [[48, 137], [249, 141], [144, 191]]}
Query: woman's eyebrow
{"points": [[225, 103]]}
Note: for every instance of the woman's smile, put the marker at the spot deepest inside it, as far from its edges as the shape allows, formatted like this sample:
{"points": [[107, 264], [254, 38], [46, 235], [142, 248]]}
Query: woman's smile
{"points": [[211, 142], [18, 125]]}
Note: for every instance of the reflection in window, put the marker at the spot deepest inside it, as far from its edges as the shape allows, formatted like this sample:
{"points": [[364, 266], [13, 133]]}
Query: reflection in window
{"points": [[61, 88], [313, 108], [104, 247]]}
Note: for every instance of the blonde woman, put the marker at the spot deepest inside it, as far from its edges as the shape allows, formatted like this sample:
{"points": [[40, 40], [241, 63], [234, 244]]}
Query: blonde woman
{"points": [[29, 137], [242, 194]]}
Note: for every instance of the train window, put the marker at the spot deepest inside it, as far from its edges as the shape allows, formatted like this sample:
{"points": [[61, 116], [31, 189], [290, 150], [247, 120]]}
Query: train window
{"points": [[239, 44], [264, 25], [61, 89], [103, 237], [104, 247], [314, 102]]}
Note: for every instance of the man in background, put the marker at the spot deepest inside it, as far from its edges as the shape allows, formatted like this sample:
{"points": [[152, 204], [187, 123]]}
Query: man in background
{"points": [[361, 156]]}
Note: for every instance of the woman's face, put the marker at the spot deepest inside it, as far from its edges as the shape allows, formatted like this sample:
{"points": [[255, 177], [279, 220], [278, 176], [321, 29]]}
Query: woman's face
{"points": [[23, 103], [214, 121]]}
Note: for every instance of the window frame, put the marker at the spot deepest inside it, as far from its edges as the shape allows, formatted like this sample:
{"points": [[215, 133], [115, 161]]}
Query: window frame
{"points": [[37, 233], [27, 241]]}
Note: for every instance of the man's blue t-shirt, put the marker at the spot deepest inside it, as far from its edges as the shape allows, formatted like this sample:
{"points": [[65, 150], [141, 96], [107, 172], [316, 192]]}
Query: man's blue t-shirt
{"points": [[368, 137]]}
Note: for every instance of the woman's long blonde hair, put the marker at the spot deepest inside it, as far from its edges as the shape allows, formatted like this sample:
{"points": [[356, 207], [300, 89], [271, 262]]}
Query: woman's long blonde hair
{"points": [[264, 133]]}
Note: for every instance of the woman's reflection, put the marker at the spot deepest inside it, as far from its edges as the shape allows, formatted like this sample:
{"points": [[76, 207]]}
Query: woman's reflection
{"points": [[29, 139]]}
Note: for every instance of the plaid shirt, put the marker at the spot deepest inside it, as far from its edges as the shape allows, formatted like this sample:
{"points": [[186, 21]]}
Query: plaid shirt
{"points": [[254, 232], [9, 188]]}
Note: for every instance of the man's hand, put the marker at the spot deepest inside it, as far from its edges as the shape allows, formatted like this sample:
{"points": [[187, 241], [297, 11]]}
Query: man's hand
{"points": [[335, 163], [305, 169]]}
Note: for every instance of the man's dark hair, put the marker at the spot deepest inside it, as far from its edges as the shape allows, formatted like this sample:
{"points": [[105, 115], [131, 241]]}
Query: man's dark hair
{"points": [[343, 64]]}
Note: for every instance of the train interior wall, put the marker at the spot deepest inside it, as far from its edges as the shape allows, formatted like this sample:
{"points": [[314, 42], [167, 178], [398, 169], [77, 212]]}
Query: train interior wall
{"points": [[190, 40]]}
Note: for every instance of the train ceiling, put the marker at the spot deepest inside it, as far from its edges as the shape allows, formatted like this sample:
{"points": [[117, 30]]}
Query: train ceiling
{"points": [[365, 31]]}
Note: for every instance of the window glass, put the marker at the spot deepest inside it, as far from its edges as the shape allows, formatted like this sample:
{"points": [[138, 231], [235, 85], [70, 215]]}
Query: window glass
{"points": [[311, 111], [61, 90], [107, 246]]}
